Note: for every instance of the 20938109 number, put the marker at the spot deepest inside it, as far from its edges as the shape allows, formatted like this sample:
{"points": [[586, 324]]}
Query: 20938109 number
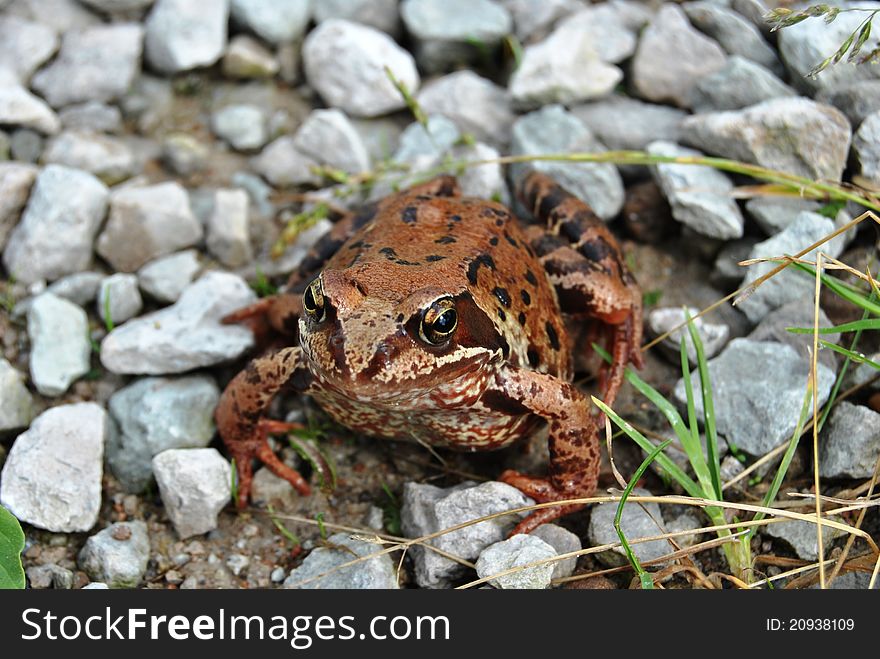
{"points": [[821, 624]]}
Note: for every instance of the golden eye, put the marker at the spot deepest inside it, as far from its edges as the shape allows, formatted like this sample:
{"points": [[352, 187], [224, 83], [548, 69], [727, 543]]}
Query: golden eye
{"points": [[313, 301], [438, 322]]}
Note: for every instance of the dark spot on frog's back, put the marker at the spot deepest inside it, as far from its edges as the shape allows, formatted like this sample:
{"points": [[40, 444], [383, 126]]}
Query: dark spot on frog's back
{"points": [[493, 241], [597, 249], [433, 258], [252, 374], [530, 277], [474, 267], [502, 295], [409, 214], [501, 402], [445, 240], [552, 335]]}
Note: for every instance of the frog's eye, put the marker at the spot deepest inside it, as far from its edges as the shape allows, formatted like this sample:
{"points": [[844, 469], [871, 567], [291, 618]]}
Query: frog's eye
{"points": [[438, 322], [313, 301]]}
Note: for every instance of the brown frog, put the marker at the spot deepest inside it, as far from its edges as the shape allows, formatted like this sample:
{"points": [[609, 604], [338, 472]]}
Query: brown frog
{"points": [[434, 317]]}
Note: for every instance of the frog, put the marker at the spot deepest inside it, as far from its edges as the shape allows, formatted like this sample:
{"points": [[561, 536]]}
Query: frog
{"points": [[440, 318]]}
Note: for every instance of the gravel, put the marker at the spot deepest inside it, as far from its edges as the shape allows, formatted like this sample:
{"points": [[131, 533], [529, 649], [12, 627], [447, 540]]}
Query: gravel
{"points": [[92, 116], [147, 222], [182, 35], [52, 475], [513, 553], [378, 572], [117, 555], [639, 520], [228, 228], [119, 298], [60, 350], [186, 335], [774, 214], [108, 158], [427, 509], [277, 22], [195, 486], [381, 14], [16, 402], [866, 146], [801, 537], [329, 138], [774, 327], [18, 107], [345, 63], [25, 45], [849, 445], [167, 277], [184, 154], [242, 126], [246, 58], [16, 180], [563, 541], [713, 335], [738, 84], [621, 122], [758, 413], [96, 64], [856, 100]]}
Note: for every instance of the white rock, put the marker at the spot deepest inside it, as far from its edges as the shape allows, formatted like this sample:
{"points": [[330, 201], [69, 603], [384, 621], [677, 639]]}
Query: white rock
{"points": [[866, 146], [380, 14], [282, 164], [242, 126], [195, 485], [145, 223], [16, 180], [514, 553], [108, 158], [248, 58], [166, 278], [328, 137], [92, 115], [276, 21], [117, 555], [80, 288], [18, 107], [345, 63], [16, 402], [228, 228], [60, 348], [95, 64], [119, 295], [183, 35], [52, 476], [60, 15], [186, 335], [25, 45], [64, 202]]}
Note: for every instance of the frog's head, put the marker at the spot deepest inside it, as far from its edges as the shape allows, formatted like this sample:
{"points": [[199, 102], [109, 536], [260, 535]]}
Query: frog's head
{"points": [[371, 332]]}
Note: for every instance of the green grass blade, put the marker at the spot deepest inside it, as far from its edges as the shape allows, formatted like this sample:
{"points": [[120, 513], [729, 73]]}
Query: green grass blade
{"points": [[692, 446], [712, 456], [856, 357], [843, 290], [644, 578], [855, 326]]}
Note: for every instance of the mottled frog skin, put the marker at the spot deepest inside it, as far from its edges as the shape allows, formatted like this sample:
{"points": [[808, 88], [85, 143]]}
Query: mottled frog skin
{"points": [[438, 318]]}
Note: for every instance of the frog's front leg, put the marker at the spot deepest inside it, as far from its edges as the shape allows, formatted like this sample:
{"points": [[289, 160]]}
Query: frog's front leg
{"points": [[573, 441], [241, 420], [585, 264]]}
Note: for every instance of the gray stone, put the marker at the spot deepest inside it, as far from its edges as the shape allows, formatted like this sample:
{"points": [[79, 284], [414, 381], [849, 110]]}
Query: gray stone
{"points": [[149, 102], [554, 130], [637, 521], [16, 402], [25, 45], [229, 228], [445, 31], [428, 509], [18, 107], [481, 181], [80, 288], [801, 537], [52, 475], [49, 576], [16, 180], [564, 68], [60, 15], [713, 335], [242, 126], [856, 100], [849, 445], [774, 327], [758, 391], [167, 277], [727, 273], [773, 214], [733, 32], [182, 35], [247, 58], [92, 115], [621, 122], [534, 19], [563, 541], [277, 21], [738, 84], [345, 63], [754, 11], [147, 222], [184, 154], [378, 572], [794, 135], [866, 147], [700, 197], [119, 298], [186, 335], [513, 553], [672, 57], [195, 485], [108, 158], [237, 564], [26, 145], [60, 349], [380, 14], [328, 137], [64, 202], [487, 114], [117, 6], [117, 555], [157, 414], [608, 26], [787, 285], [805, 45], [283, 165], [95, 64]]}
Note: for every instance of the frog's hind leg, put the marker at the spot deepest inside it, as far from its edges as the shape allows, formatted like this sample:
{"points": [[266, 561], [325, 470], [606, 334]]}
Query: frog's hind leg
{"points": [[573, 442], [241, 421], [586, 266]]}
